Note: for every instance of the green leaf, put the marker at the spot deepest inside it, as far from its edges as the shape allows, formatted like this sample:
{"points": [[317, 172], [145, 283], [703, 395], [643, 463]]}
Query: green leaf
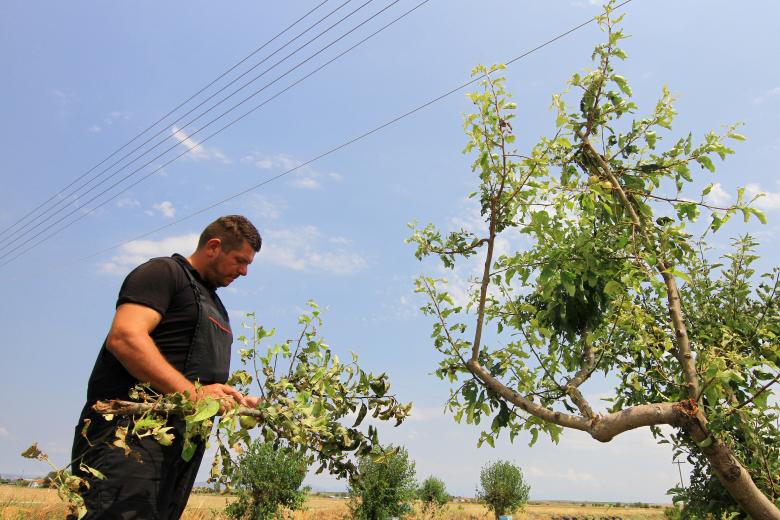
{"points": [[759, 215], [622, 84], [680, 274], [361, 415], [163, 437], [706, 162], [534, 437], [651, 138], [205, 409], [613, 288], [92, 471], [188, 451]]}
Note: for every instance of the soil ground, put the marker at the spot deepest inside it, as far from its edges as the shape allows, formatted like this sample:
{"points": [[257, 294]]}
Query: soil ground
{"points": [[17, 503]]}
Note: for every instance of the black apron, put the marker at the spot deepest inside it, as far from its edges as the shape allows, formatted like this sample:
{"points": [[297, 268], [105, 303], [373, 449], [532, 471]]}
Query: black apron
{"points": [[208, 359]]}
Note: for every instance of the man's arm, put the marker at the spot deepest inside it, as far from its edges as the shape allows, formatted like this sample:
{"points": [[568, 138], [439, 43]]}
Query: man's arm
{"points": [[130, 341]]}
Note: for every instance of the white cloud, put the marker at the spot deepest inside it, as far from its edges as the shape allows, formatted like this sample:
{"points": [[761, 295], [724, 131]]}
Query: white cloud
{"points": [[464, 278], [197, 151], [568, 475], [304, 177], [307, 183], [61, 97], [166, 209], [767, 95], [137, 252], [127, 202], [118, 115], [424, 414], [4, 431], [337, 262], [469, 218], [260, 206], [112, 118], [305, 249], [718, 195], [768, 200]]}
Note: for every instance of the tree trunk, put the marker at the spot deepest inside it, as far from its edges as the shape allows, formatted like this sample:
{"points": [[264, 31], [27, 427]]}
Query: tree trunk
{"points": [[731, 474]]}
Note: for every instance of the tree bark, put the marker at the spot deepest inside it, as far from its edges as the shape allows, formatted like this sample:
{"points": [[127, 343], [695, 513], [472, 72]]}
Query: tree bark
{"points": [[119, 407], [731, 474]]}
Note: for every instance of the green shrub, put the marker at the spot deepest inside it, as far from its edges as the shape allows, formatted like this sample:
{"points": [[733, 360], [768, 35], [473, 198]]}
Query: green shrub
{"points": [[433, 495], [385, 486], [267, 479], [502, 488]]}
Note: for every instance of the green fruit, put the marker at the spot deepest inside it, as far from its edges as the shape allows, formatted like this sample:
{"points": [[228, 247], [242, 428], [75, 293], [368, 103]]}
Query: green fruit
{"points": [[247, 422]]}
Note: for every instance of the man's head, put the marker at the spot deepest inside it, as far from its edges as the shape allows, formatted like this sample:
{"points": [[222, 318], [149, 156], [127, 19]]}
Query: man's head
{"points": [[225, 249]]}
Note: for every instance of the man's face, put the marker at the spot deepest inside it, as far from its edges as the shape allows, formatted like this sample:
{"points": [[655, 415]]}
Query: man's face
{"points": [[226, 267]]}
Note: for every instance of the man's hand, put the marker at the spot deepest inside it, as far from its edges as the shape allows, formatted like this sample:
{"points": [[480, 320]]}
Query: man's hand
{"points": [[251, 401], [225, 394]]}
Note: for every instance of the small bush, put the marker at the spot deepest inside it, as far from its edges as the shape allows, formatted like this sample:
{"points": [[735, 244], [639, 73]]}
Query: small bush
{"points": [[385, 486], [266, 480], [502, 488], [433, 495]]}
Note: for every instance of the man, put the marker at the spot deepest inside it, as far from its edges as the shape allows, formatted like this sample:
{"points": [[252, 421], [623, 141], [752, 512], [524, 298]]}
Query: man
{"points": [[170, 330]]}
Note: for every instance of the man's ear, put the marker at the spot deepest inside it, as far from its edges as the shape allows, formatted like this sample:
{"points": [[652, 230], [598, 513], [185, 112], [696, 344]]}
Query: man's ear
{"points": [[213, 247]]}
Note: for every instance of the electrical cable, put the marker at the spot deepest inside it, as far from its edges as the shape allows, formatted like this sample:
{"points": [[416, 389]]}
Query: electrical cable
{"points": [[8, 245], [85, 213], [231, 69], [326, 153], [64, 203]]}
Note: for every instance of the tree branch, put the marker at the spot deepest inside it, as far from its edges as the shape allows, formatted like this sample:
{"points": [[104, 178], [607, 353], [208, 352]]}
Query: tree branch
{"points": [[684, 355], [601, 427]]}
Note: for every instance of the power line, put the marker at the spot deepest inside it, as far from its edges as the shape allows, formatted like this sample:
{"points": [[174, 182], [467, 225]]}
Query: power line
{"points": [[83, 214], [339, 147], [324, 154], [10, 248], [64, 203], [231, 69]]}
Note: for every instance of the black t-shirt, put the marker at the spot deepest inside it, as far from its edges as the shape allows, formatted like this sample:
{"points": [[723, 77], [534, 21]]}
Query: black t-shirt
{"points": [[160, 284]]}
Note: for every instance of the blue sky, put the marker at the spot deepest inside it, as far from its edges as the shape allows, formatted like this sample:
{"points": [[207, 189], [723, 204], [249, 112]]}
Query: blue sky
{"points": [[82, 78]]}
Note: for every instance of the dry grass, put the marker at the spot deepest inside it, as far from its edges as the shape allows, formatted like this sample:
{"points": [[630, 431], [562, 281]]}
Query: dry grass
{"points": [[43, 504]]}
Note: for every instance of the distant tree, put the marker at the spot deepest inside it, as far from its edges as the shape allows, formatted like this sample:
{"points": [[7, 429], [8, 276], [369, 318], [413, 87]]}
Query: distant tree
{"points": [[385, 486], [592, 259], [502, 488], [267, 479], [433, 496]]}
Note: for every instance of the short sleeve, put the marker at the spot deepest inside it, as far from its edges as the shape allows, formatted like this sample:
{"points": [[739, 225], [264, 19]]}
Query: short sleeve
{"points": [[152, 284]]}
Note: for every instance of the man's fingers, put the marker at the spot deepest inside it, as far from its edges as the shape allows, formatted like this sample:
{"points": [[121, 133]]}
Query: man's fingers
{"points": [[235, 394], [251, 401]]}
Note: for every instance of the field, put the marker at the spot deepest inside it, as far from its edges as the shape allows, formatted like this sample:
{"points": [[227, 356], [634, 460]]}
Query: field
{"points": [[18, 503]]}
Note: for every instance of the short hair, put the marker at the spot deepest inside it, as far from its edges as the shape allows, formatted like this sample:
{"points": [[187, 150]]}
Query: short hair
{"points": [[233, 231]]}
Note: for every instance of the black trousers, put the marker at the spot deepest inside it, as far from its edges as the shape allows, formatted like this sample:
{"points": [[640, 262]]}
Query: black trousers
{"points": [[153, 486]]}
